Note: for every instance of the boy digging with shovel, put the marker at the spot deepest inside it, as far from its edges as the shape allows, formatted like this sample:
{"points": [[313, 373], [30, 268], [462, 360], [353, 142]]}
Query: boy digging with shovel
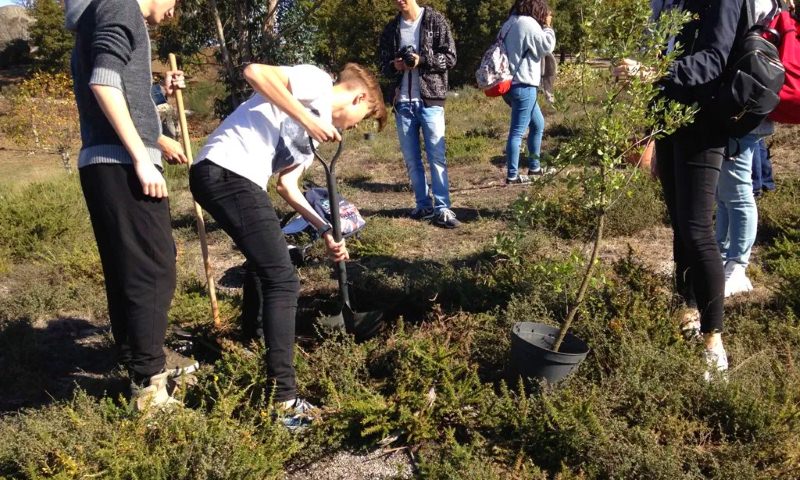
{"points": [[268, 135]]}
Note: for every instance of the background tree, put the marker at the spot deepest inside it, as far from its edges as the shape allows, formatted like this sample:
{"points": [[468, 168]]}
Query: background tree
{"points": [[52, 40], [476, 24], [252, 31], [568, 22], [43, 116]]}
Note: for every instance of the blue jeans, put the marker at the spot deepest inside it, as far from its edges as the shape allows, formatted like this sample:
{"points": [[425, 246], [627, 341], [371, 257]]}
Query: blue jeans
{"points": [[737, 215], [525, 112], [411, 117], [762, 169]]}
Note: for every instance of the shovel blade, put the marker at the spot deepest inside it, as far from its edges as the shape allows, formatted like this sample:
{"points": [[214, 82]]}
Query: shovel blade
{"points": [[363, 325], [332, 321]]}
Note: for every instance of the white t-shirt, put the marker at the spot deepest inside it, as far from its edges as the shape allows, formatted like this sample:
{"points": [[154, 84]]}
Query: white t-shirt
{"points": [[258, 139], [409, 35]]}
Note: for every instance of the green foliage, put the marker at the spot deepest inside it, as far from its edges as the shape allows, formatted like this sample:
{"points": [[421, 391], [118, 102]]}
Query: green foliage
{"points": [[49, 34], [253, 32], [475, 25], [84, 437], [43, 219], [43, 115], [379, 238], [779, 220], [561, 210], [568, 24], [191, 306]]}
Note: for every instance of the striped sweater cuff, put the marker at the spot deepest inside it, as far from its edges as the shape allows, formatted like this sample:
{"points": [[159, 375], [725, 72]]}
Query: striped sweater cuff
{"points": [[113, 155], [106, 76]]}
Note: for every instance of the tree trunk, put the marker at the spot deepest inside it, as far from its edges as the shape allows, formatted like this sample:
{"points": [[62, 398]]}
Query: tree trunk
{"points": [[226, 55], [601, 219], [65, 160], [271, 24]]}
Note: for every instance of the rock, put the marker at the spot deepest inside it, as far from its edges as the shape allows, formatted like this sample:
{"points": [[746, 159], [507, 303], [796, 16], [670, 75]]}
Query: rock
{"points": [[14, 23]]}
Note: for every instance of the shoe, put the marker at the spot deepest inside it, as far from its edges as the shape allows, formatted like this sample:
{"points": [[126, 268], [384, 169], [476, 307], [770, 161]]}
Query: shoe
{"points": [[425, 213], [446, 219], [177, 365], [296, 415], [541, 171], [154, 394], [736, 280], [717, 362], [518, 180], [690, 324]]}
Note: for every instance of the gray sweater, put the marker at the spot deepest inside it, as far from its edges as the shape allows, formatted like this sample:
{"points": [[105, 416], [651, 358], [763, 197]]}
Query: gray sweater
{"points": [[527, 43], [112, 47]]}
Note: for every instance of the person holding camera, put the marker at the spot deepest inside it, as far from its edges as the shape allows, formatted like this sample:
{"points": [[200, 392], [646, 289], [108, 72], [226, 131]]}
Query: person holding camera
{"points": [[416, 51], [528, 37]]}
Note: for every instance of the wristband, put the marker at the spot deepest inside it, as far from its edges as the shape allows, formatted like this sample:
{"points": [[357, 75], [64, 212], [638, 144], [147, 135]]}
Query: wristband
{"points": [[325, 228]]}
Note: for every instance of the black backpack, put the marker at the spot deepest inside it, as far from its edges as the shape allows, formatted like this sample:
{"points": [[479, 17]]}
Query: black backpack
{"points": [[752, 78]]}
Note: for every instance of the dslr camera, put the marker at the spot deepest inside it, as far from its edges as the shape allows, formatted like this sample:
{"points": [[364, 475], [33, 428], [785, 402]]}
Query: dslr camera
{"points": [[407, 54]]}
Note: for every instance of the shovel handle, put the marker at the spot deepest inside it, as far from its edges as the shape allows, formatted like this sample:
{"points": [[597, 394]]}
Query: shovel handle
{"points": [[336, 221], [329, 165]]}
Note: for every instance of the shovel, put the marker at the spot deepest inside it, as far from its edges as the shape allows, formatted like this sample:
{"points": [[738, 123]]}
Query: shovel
{"points": [[363, 325]]}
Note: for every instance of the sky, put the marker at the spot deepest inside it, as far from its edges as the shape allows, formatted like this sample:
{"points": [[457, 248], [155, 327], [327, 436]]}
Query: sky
{"points": [[3, 3]]}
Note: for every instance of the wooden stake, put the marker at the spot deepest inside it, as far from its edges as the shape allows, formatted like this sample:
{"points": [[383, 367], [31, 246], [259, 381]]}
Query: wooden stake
{"points": [[198, 212]]}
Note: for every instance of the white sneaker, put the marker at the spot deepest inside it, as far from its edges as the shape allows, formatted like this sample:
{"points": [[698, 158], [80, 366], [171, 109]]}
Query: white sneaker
{"points": [[736, 280], [296, 415], [155, 395], [717, 361]]}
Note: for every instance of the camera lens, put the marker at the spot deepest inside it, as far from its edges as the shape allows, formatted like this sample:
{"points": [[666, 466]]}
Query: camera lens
{"points": [[407, 54]]}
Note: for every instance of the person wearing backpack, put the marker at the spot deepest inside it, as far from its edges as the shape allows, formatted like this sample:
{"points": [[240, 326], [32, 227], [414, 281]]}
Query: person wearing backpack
{"points": [[528, 37], [737, 215], [690, 160], [417, 50]]}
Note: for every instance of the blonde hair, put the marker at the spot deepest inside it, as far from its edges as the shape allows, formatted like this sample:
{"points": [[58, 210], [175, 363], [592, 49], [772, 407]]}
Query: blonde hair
{"points": [[355, 74]]}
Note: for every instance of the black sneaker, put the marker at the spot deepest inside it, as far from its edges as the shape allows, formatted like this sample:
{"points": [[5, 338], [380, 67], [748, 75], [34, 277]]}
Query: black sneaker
{"points": [[425, 213], [518, 180], [446, 219]]}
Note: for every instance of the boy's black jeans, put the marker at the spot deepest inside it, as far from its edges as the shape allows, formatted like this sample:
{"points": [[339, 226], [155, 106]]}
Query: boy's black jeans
{"points": [[245, 212], [688, 164], [134, 238]]}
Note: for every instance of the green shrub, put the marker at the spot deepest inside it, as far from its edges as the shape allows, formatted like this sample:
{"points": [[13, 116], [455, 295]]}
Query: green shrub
{"points": [[639, 206], [381, 237], [84, 438], [42, 218]]}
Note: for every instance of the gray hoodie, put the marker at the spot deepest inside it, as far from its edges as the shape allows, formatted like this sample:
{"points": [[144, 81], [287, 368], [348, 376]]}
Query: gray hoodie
{"points": [[112, 48]]}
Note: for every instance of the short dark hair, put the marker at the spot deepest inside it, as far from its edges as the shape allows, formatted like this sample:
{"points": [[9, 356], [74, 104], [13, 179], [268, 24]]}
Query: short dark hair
{"points": [[538, 9]]}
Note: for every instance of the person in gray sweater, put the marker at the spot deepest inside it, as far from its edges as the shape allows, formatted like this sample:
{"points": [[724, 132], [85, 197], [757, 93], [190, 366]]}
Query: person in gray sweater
{"points": [[121, 177], [528, 38]]}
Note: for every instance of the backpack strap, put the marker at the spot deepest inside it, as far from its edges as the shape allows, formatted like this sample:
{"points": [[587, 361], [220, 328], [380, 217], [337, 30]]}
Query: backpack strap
{"points": [[750, 9]]}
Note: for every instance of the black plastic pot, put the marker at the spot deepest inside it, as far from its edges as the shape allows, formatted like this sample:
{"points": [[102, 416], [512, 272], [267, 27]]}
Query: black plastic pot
{"points": [[532, 354]]}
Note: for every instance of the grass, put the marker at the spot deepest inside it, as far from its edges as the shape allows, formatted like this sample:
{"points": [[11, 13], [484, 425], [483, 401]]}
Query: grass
{"points": [[437, 382]]}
